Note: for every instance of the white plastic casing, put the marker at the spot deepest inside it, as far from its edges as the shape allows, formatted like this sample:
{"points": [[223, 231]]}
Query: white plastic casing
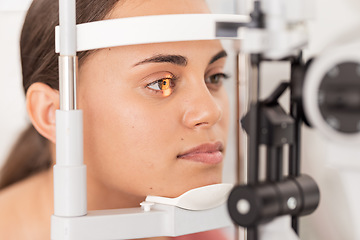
{"points": [[134, 223], [162, 217], [148, 29], [69, 171], [202, 198], [67, 19], [285, 31], [292, 11]]}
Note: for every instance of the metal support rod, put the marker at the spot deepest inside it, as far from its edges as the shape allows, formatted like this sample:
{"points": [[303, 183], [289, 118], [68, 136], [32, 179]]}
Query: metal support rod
{"points": [[298, 69], [254, 93], [70, 195], [242, 107], [274, 168], [294, 155], [67, 82], [240, 161], [67, 59], [253, 143], [294, 151], [253, 146], [296, 84], [252, 233], [253, 154]]}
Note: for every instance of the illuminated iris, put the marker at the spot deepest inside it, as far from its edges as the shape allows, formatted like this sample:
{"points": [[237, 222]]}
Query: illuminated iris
{"points": [[163, 86]]}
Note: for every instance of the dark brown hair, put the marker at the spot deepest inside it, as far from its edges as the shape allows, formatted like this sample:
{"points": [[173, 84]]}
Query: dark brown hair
{"points": [[31, 153]]}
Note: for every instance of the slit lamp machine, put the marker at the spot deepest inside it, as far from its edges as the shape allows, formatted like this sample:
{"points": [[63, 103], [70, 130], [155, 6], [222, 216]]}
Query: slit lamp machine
{"points": [[269, 209]]}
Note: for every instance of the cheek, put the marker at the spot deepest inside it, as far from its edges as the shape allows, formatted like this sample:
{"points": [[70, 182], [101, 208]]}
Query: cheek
{"points": [[118, 124], [126, 138]]}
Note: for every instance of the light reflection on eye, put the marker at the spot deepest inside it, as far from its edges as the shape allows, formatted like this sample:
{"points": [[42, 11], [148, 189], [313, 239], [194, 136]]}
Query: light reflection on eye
{"points": [[164, 86]]}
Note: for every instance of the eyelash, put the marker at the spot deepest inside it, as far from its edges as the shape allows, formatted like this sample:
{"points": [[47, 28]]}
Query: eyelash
{"points": [[171, 84]]}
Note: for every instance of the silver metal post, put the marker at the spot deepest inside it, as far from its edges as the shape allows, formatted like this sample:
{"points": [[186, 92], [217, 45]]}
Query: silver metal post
{"points": [[67, 82], [243, 106], [243, 64], [70, 196]]}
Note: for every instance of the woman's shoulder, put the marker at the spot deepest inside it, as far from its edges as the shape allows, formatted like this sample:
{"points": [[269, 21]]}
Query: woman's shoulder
{"points": [[23, 192], [8, 219], [20, 208]]}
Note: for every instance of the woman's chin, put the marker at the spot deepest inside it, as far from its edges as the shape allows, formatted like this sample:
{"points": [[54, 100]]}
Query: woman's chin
{"points": [[183, 189]]}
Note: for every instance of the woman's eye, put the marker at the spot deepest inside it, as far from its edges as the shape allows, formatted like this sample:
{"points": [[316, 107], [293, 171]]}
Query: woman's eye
{"points": [[164, 86], [216, 79]]}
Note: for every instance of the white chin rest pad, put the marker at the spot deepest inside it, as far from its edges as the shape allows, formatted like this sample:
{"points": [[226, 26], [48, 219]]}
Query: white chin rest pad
{"points": [[202, 198]]}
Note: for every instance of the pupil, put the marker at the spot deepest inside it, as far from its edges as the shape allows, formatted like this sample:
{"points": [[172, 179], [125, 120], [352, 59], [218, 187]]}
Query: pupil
{"points": [[164, 84], [215, 79]]}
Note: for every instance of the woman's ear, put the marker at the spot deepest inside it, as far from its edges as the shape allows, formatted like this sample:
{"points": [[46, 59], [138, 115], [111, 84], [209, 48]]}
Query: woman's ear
{"points": [[41, 104]]}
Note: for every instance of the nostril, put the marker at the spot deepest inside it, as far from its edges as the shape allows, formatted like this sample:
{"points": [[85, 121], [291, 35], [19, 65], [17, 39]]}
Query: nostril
{"points": [[202, 123]]}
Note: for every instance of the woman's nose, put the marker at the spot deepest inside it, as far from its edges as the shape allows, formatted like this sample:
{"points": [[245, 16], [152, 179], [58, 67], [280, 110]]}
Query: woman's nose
{"points": [[201, 109]]}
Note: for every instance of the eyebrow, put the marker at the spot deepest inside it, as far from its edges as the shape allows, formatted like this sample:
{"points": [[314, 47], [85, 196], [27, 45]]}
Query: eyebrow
{"points": [[218, 56], [174, 59], [177, 59]]}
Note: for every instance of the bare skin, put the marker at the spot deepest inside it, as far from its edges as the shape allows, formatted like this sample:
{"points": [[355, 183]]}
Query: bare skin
{"points": [[25, 208], [134, 132]]}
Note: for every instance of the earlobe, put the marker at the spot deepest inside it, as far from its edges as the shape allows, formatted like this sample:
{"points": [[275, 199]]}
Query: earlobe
{"points": [[41, 104]]}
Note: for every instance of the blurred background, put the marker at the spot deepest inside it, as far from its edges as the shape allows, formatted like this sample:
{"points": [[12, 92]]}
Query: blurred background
{"points": [[324, 160]]}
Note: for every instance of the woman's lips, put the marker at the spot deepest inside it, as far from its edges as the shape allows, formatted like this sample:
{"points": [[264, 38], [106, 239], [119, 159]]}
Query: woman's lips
{"points": [[209, 153]]}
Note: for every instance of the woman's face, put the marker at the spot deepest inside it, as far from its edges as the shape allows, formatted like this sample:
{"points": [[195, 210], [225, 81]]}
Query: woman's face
{"points": [[155, 115]]}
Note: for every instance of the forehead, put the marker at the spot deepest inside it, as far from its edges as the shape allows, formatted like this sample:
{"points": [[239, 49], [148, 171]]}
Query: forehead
{"points": [[195, 51], [133, 8]]}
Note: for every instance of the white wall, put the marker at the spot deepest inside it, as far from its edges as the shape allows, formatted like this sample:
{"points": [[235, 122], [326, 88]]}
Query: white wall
{"points": [[12, 106], [14, 5]]}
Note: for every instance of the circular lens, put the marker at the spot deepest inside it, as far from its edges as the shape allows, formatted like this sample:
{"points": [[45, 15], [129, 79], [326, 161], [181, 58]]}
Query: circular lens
{"points": [[339, 97]]}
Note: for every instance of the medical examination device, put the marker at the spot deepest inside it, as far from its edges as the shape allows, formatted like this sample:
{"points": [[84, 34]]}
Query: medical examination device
{"points": [[268, 209]]}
